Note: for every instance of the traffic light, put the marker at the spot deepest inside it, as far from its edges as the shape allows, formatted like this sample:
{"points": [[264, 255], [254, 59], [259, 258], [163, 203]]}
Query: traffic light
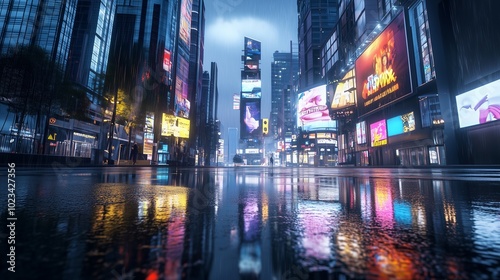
{"points": [[265, 126]]}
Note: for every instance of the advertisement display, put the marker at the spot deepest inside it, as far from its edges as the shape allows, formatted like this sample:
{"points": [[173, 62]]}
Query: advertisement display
{"points": [[149, 135], [167, 60], [249, 85], [480, 105], [236, 101], [251, 66], [185, 23], [251, 88], [312, 111], [182, 104], [345, 92], [252, 49], [378, 131], [174, 126], [361, 132], [382, 70], [401, 124], [250, 118]]}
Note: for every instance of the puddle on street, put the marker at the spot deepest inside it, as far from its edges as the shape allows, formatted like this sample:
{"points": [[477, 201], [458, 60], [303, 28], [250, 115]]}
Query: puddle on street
{"points": [[253, 224]]}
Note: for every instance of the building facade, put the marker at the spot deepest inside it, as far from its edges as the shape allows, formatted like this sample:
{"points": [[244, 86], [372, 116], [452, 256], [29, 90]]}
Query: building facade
{"points": [[316, 20], [403, 95]]}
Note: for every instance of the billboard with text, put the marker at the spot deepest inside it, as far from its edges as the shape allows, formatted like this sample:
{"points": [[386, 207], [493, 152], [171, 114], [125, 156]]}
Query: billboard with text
{"points": [[382, 70]]}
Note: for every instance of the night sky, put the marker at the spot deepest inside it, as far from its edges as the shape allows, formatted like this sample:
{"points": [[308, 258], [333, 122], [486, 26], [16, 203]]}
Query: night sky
{"points": [[274, 23]]}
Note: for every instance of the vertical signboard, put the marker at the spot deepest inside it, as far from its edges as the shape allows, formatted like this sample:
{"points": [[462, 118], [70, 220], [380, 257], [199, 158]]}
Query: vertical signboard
{"points": [[382, 71]]}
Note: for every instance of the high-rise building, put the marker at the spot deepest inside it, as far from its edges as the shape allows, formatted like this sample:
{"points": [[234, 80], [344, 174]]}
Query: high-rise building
{"points": [[317, 19], [76, 37], [284, 73], [250, 102], [45, 23]]}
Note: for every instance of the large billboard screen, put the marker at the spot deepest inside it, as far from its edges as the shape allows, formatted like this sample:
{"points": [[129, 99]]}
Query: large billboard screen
{"points": [[361, 132], [401, 124], [345, 93], [382, 71], [251, 88], [167, 60], [182, 104], [250, 117], [185, 22], [378, 132], [252, 49], [479, 105], [312, 111], [174, 126]]}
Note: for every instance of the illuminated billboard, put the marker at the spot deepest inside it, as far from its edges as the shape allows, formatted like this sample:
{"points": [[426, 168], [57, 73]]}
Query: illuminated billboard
{"points": [[149, 135], [361, 132], [249, 85], [345, 93], [251, 66], [174, 126], [185, 22], [167, 60], [382, 71], [401, 124], [182, 104], [252, 49], [378, 132], [236, 101], [251, 88], [312, 111], [250, 118], [479, 105]]}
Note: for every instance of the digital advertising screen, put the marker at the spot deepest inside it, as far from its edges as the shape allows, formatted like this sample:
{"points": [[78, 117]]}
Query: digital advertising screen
{"points": [[175, 126], [480, 105], [250, 117], [236, 101], [250, 85], [378, 131], [361, 132], [312, 111], [182, 104], [401, 124], [185, 22], [251, 66], [167, 60], [345, 92], [252, 49], [382, 70]]}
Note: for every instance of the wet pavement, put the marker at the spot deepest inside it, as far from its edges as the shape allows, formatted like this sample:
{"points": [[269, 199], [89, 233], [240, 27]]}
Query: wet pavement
{"points": [[252, 223]]}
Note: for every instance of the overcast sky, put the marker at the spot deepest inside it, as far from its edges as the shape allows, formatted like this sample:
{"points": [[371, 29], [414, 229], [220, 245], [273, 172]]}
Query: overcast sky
{"points": [[273, 22]]}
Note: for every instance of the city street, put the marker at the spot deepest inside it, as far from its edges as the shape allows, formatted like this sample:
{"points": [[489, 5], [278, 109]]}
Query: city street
{"points": [[250, 223]]}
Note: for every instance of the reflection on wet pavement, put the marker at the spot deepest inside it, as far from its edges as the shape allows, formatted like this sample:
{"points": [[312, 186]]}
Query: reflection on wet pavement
{"points": [[253, 223]]}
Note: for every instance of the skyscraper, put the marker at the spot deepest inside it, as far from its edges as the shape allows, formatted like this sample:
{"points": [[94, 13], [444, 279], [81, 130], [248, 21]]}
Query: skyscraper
{"points": [[284, 73], [317, 19]]}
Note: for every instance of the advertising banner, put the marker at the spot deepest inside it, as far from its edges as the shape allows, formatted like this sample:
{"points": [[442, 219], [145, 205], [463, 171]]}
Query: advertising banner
{"points": [[182, 104], [361, 132], [174, 126], [382, 71], [185, 23], [250, 117], [312, 111], [345, 92], [252, 49], [401, 124], [378, 133], [479, 105]]}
